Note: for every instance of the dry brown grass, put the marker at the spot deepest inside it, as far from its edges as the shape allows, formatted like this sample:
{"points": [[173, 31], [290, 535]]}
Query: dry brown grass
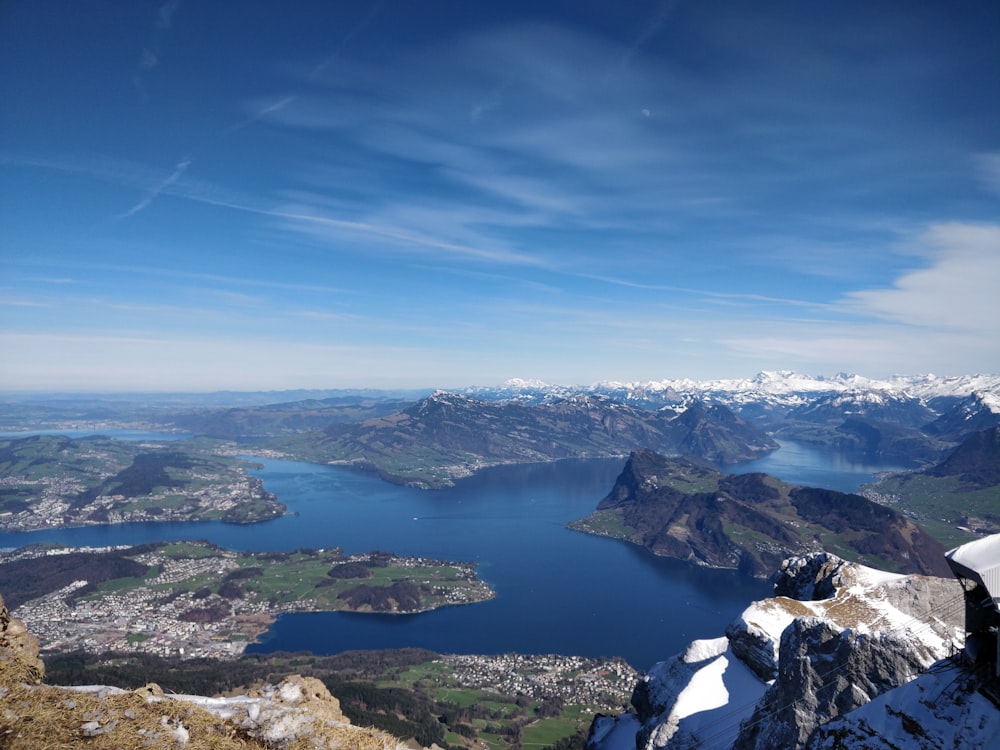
{"points": [[14, 670], [43, 717], [51, 718], [853, 612], [792, 606]]}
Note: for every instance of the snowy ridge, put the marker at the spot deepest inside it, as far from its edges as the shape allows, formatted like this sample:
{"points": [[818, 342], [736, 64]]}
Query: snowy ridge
{"points": [[784, 387], [874, 631]]}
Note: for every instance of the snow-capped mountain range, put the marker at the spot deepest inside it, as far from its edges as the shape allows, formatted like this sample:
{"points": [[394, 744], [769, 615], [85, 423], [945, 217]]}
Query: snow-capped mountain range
{"points": [[781, 387]]}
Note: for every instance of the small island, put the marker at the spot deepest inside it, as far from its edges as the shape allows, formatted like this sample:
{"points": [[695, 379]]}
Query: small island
{"points": [[195, 599]]}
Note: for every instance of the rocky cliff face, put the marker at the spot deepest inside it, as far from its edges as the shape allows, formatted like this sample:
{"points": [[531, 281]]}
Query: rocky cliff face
{"points": [[824, 672], [835, 636], [297, 713]]}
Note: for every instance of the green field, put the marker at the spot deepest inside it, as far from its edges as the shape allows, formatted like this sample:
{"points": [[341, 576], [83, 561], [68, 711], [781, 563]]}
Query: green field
{"points": [[52, 481], [408, 692], [301, 580], [948, 510]]}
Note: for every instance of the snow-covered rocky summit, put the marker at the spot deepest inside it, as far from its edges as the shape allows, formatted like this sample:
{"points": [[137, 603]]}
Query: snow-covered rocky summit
{"points": [[835, 636]]}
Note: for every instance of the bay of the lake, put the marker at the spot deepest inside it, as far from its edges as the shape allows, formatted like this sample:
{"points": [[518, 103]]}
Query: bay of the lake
{"points": [[558, 591]]}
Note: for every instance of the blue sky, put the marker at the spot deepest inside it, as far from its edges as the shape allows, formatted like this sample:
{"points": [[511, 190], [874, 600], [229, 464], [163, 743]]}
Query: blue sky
{"points": [[259, 195]]}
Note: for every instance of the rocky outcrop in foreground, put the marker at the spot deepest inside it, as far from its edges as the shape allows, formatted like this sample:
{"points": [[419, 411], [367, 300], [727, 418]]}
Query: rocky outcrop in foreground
{"points": [[836, 636], [18, 650], [297, 714]]}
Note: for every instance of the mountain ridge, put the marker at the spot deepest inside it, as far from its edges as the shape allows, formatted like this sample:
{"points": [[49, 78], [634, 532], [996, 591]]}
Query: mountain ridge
{"points": [[786, 387], [447, 435], [681, 508]]}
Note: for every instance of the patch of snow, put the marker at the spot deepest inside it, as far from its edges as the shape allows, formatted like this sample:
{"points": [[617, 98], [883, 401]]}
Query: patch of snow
{"points": [[865, 576], [704, 650], [523, 383], [709, 708], [290, 692], [935, 710], [178, 730], [99, 690], [705, 691], [990, 400], [615, 733]]}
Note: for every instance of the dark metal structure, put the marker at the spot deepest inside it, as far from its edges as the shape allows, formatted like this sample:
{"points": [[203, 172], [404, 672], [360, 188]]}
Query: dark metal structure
{"points": [[977, 567]]}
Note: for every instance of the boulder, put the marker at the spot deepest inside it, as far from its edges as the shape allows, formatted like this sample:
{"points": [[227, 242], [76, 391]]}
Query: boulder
{"points": [[19, 660]]}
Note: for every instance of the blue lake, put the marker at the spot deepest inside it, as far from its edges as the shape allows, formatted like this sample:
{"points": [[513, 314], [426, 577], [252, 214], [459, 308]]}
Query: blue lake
{"points": [[558, 591], [797, 463]]}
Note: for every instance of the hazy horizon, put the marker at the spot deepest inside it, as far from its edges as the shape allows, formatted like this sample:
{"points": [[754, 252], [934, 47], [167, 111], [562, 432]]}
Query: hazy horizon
{"points": [[125, 394], [200, 197]]}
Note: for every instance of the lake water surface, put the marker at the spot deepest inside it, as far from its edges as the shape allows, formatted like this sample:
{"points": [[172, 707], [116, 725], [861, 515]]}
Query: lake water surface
{"points": [[558, 591]]}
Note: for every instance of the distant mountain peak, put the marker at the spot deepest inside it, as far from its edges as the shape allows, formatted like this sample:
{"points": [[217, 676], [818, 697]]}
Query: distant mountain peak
{"points": [[524, 383]]}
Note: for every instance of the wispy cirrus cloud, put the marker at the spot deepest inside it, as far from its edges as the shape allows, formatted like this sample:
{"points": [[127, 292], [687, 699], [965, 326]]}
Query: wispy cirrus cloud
{"points": [[955, 288], [170, 180], [129, 174], [261, 110], [941, 316], [555, 147], [301, 219], [314, 221], [674, 146], [58, 280], [11, 301]]}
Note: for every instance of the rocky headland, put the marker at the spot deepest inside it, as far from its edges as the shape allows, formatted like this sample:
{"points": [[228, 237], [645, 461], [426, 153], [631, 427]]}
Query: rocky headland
{"points": [[683, 508]]}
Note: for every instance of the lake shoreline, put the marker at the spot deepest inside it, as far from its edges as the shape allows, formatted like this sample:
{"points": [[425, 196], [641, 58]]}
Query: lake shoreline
{"points": [[557, 590]]}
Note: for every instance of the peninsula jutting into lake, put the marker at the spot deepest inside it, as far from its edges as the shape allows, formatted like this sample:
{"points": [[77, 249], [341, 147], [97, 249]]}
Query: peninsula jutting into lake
{"points": [[195, 599]]}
